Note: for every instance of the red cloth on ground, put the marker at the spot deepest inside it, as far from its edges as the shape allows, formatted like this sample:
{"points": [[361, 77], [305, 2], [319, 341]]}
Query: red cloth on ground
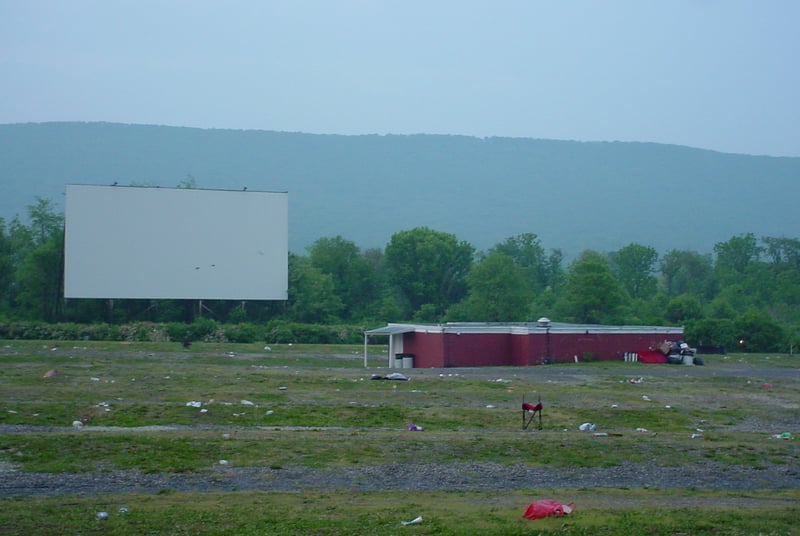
{"points": [[546, 508]]}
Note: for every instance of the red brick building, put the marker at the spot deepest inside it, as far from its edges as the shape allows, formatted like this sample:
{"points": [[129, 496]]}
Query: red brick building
{"points": [[473, 344]]}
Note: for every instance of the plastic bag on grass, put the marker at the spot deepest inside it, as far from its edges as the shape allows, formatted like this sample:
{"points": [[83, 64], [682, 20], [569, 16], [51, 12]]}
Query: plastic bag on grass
{"points": [[547, 508]]}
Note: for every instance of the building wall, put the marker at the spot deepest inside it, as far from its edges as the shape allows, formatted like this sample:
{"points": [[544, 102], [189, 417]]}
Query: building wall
{"points": [[477, 349], [521, 350], [603, 346], [428, 349], [449, 349]]}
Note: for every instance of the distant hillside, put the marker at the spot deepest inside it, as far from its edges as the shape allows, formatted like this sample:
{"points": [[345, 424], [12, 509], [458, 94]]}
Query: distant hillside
{"points": [[574, 195]]}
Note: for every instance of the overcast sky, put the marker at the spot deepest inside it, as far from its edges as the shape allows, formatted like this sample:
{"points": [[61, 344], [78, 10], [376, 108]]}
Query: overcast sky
{"points": [[715, 74]]}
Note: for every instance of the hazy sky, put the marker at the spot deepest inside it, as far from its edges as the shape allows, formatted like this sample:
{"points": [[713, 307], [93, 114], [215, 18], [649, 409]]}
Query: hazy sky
{"points": [[716, 74]]}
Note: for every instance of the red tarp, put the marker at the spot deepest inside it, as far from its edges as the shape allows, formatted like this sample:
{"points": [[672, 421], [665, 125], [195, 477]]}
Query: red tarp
{"points": [[652, 356]]}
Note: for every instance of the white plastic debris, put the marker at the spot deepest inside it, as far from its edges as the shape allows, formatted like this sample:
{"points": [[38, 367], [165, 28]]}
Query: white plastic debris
{"points": [[416, 521], [246, 403], [101, 516], [194, 404], [77, 424], [645, 397], [587, 427], [223, 462], [396, 376]]}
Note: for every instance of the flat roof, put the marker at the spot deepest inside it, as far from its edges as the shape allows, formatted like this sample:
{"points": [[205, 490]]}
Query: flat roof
{"points": [[519, 328]]}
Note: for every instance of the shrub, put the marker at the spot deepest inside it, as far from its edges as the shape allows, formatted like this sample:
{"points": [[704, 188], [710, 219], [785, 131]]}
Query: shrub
{"points": [[282, 332], [143, 332], [202, 329], [244, 333]]}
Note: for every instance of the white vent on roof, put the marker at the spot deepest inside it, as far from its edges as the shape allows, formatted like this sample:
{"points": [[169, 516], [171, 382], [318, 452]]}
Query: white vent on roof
{"points": [[543, 322]]}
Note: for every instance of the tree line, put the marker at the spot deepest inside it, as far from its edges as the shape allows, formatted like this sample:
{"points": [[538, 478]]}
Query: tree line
{"points": [[743, 296]]}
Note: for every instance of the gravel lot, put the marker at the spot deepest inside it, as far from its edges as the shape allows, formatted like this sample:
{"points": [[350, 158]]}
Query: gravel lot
{"points": [[419, 477]]}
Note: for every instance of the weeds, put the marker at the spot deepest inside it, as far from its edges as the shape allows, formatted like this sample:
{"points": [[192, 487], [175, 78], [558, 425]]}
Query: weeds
{"points": [[159, 408]]}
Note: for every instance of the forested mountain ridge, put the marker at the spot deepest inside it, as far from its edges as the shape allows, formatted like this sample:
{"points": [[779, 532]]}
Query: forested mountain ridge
{"points": [[573, 195]]}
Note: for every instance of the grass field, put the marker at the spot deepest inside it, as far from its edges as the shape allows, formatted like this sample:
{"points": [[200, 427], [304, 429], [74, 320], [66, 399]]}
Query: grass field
{"points": [[161, 409]]}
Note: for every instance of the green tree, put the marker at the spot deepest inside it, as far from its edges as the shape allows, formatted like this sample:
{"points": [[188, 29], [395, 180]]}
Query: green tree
{"points": [[634, 265], [38, 254], [735, 255], [527, 252], [757, 332], [592, 293], [781, 277], [6, 267], [45, 222], [712, 331], [312, 294], [20, 240], [683, 308], [354, 278], [784, 252], [720, 307], [686, 271], [429, 266], [497, 292], [39, 276], [753, 331], [541, 269]]}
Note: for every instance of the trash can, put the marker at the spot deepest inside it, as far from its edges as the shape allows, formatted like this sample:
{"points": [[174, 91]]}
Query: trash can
{"points": [[404, 361]]}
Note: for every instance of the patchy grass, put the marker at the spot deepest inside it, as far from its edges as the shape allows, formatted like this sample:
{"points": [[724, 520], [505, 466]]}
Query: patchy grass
{"points": [[160, 408], [346, 513], [198, 450]]}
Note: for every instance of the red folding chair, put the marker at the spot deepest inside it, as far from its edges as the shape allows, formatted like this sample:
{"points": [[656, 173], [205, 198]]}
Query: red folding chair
{"points": [[530, 411]]}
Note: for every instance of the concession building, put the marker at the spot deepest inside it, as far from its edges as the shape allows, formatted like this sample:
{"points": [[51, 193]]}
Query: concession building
{"points": [[478, 344]]}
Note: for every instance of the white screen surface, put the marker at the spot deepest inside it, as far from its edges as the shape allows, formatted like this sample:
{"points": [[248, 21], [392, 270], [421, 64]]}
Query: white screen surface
{"points": [[175, 243]]}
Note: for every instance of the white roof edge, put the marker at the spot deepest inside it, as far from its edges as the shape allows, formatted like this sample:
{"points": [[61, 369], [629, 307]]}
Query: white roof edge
{"points": [[520, 328]]}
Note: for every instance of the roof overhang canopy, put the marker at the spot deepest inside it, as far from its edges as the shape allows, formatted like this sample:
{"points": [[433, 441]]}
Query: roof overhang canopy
{"points": [[391, 329]]}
